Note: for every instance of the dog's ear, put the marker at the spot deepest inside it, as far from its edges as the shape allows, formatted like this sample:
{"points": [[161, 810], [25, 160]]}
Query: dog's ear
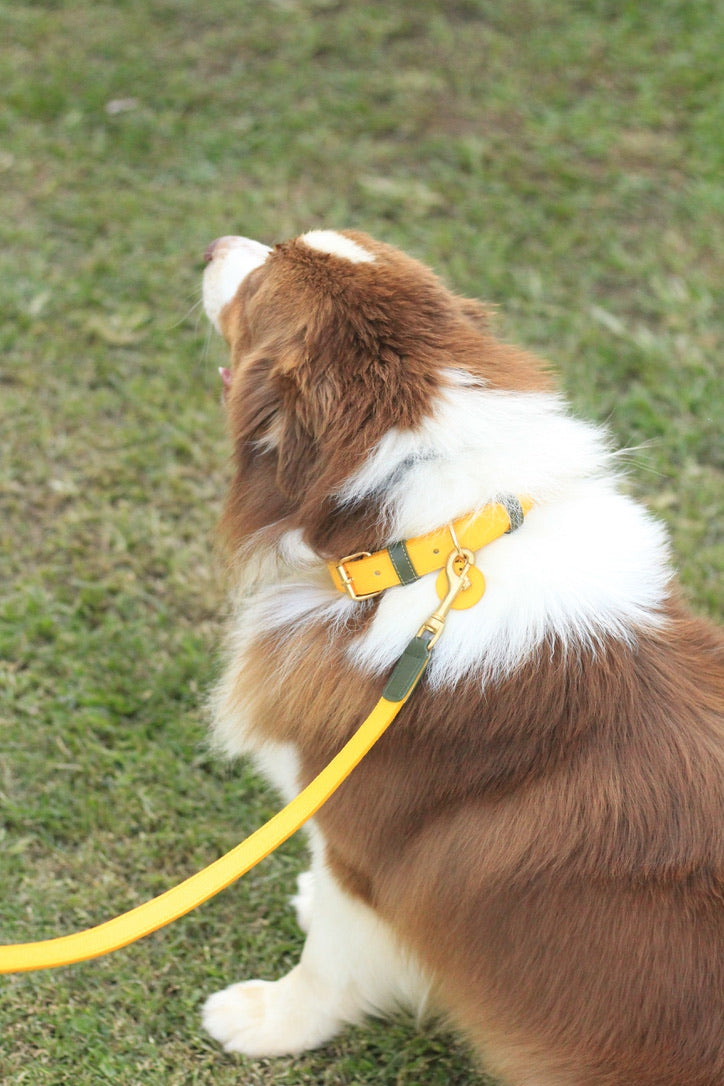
{"points": [[298, 452], [319, 413], [366, 361]]}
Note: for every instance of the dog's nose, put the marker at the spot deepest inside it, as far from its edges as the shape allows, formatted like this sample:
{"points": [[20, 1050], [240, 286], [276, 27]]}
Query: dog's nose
{"points": [[254, 250]]}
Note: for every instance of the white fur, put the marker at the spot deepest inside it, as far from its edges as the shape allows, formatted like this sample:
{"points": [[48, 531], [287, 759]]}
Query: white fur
{"points": [[303, 900], [233, 259], [351, 966], [479, 443], [329, 241], [577, 571], [588, 564]]}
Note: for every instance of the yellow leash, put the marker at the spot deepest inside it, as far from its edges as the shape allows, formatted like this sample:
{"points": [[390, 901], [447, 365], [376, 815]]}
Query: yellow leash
{"points": [[181, 899], [194, 891]]}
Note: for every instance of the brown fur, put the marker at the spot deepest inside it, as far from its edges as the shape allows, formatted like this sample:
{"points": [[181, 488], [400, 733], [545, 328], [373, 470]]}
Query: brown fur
{"points": [[333, 360], [551, 847]]}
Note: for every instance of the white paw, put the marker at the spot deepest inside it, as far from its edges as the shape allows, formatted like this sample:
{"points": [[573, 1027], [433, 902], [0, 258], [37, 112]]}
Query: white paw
{"points": [[302, 900], [236, 1018], [265, 1018]]}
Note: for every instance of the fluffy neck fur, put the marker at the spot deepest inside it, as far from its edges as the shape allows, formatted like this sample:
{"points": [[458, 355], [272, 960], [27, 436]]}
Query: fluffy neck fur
{"points": [[588, 564]]}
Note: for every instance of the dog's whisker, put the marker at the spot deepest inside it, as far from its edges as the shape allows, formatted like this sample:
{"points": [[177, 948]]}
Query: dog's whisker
{"points": [[195, 308]]}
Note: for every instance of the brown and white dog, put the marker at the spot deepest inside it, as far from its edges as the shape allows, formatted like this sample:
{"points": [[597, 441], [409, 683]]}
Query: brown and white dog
{"points": [[534, 849]]}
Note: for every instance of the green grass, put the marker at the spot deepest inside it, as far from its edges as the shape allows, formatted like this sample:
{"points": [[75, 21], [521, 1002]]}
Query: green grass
{"points": [[560, 159]]}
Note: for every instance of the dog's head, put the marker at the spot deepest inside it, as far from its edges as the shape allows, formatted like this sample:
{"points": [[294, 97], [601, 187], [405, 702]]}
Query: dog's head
{"points": [[337, 342]]}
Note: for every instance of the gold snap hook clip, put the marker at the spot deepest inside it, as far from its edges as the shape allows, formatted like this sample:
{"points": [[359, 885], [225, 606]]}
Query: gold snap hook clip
{"points": [[452, 581]]}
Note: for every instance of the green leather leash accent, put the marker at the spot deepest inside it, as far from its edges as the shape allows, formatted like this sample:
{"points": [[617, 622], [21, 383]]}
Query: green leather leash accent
{"points": [[409, 668]]}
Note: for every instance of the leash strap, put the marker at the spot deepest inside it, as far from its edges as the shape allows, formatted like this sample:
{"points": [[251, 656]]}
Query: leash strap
{"points": [[194, 891]]}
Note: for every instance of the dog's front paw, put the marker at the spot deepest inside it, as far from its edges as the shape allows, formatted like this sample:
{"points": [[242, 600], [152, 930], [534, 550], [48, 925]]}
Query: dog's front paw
{"points": [[264, 1018], [236, 1018]]}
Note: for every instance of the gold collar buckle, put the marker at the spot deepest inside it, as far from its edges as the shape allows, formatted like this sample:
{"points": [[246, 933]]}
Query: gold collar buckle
{"points": [[347, 580]]}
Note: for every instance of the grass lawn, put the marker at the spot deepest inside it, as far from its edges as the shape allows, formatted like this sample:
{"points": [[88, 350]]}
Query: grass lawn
{"points": [[561, 159]]}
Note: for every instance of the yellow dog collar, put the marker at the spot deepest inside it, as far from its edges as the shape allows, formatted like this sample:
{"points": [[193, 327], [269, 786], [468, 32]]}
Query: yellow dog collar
{"points": [[364, 574]]}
